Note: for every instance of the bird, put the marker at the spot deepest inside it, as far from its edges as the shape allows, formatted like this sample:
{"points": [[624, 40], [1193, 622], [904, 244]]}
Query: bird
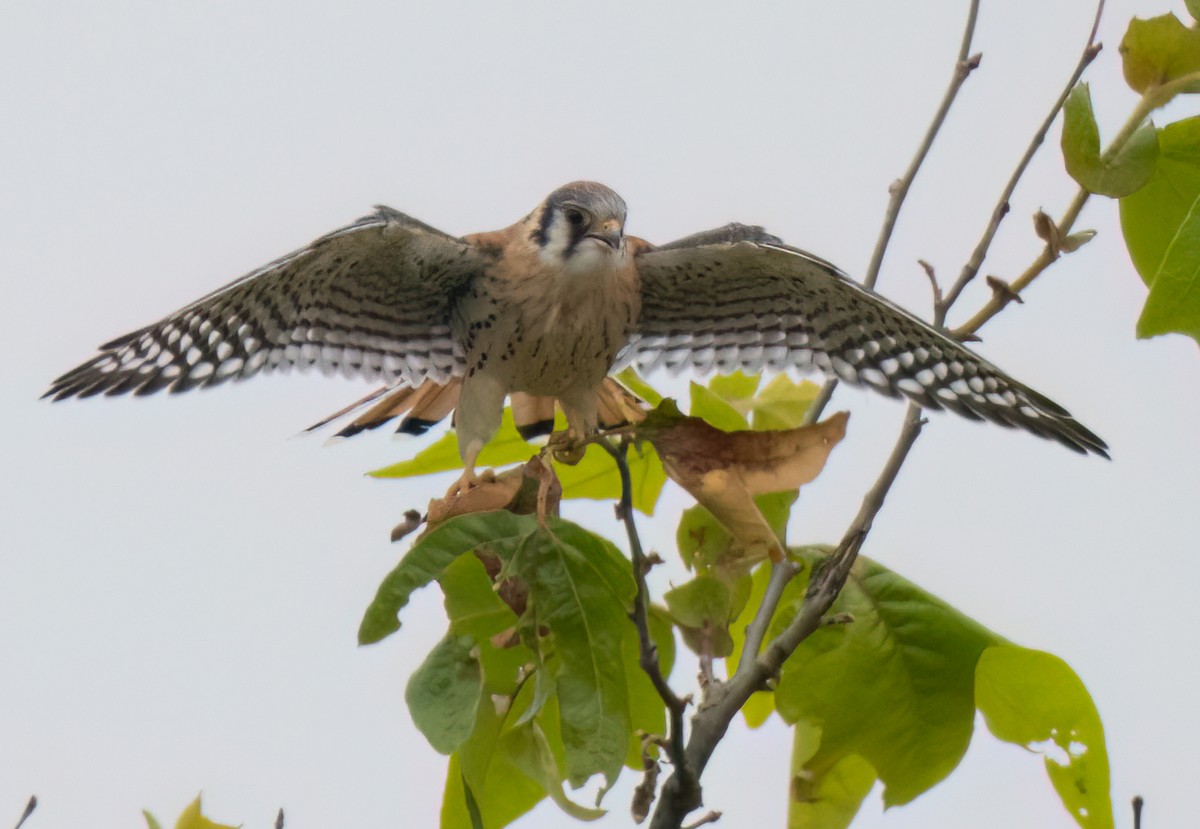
{"points": [[547, 310]]}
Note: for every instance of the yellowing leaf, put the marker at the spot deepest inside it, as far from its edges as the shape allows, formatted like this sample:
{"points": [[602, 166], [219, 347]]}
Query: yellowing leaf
{"points": [[724, 470], [507, 446], [1159, 50], [192, 818]]}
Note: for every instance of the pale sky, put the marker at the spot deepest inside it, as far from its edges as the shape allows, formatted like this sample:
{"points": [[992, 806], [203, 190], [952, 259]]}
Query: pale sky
{"points": [[181, 582]]}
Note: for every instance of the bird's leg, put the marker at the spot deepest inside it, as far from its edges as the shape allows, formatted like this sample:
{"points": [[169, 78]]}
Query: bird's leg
{"points": [[468, 479], [476, 419]]}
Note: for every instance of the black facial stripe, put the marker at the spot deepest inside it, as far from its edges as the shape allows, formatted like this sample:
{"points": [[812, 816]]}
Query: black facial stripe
{"points": [[542, 235]]}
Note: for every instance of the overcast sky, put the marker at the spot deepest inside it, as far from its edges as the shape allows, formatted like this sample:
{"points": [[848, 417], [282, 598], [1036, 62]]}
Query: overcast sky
{"points": [[181, 582]]}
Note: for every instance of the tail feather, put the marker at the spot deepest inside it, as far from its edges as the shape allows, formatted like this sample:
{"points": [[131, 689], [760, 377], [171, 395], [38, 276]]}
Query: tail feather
{"points": [[423, 407], [534, 416]]}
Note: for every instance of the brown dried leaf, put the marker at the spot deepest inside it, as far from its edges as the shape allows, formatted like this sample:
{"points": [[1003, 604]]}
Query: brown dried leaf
{"points": [[521, 490], [724, 470]]}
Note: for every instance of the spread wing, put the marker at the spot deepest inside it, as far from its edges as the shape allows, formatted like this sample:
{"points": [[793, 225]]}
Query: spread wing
{"points": [[758, 304], [371, 299]]}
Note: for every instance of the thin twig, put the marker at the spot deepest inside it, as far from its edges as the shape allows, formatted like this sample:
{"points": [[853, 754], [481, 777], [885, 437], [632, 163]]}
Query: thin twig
{"points": [[29, 807], [676, 705], [1150, 102], [826, 584], [781, 573], [964, 63], [1137, 811], [971, 268]]}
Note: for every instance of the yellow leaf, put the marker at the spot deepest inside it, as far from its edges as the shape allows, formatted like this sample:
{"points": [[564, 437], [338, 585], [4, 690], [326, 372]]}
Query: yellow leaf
{"points": [[193, 819]]}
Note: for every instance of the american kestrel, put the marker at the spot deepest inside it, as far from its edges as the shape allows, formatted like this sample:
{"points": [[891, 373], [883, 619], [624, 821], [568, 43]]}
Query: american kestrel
{"points": [[544, 310]]}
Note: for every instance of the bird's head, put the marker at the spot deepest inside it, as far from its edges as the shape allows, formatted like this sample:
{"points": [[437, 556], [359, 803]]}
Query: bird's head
{"points": [[581, 226]]}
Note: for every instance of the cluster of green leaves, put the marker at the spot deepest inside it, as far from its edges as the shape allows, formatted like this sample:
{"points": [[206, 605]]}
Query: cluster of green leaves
{"points": [[537, 682], [891, 696], [1153, 171]]}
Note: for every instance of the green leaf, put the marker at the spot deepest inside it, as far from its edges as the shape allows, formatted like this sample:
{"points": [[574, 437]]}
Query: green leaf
{"points": [[475, 609], [702, 608], [151, 822], [631, 380], [443, 693], [783, 403], [736, 386], [1035, 700], [827, 797], [429, 558], [596, 477], [1174, 301], [502, 793], [895, 686], [507, 446], [704, 542], [529, 751], [1193, 7], [581, 588], [1126, 172], [1159, 50], [715, 409], [1151, 217], [472, 605], [703, 599]]}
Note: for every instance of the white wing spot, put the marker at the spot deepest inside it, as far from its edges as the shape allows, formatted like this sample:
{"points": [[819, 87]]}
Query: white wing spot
{"points": [[844, 369], [873, 376]]}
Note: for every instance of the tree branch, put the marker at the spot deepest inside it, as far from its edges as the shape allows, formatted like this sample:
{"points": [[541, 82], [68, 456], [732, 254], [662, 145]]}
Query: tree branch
{"points": [[676, 705], [781, 573], [680, 795], [971, 268], [964, 64]]}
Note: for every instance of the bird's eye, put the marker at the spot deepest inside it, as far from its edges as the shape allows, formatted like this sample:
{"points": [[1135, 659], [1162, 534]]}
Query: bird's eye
{"points": [[575, 217]]}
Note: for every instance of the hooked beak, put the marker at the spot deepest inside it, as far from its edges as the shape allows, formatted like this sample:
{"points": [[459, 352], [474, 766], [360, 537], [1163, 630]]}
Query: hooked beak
{"points": [[609, 233]]}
